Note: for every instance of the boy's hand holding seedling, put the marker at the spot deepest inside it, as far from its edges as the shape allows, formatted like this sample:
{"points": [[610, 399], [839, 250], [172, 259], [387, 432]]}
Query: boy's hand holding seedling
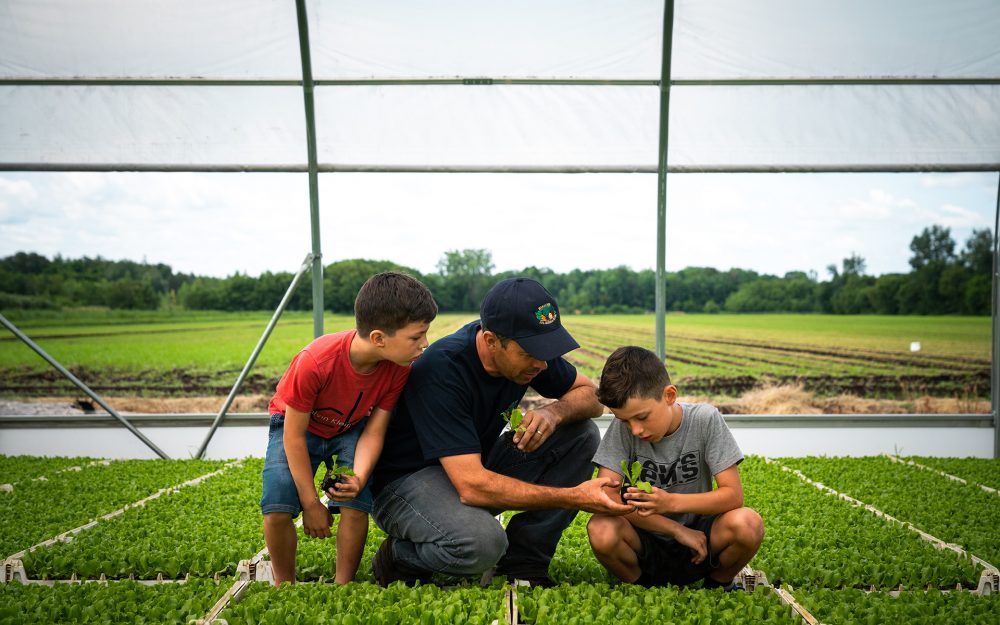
{"points": [[642, 496], [341, 483], [630, 477]]}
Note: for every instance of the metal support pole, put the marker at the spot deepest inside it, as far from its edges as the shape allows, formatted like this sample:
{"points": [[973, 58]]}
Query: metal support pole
{"points": [[995, 360], [79, 384], [661, 186], [306, 263], [307, 93]]}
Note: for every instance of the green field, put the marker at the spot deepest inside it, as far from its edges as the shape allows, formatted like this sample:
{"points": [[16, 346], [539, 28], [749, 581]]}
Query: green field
{"points": [[176, 354]]}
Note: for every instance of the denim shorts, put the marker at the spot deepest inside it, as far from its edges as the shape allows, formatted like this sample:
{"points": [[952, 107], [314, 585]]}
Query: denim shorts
{"points": [[280, 494]]}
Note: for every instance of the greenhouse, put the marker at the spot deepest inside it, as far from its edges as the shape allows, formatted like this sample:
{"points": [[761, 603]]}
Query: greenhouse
{"points": [[102, 523]]}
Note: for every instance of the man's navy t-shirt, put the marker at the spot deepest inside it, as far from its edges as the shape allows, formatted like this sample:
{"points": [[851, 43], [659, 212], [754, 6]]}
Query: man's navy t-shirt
{"points": [[451, 406]]}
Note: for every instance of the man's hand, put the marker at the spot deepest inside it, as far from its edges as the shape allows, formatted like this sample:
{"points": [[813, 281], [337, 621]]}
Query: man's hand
{"points": [[316, 520], [538, 427], [346, 489], [657, 502], [695, 541], [593, 497]]}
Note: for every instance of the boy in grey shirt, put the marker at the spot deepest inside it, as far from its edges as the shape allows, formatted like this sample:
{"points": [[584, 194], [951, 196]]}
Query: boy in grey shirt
{"points": [[683, 531]]}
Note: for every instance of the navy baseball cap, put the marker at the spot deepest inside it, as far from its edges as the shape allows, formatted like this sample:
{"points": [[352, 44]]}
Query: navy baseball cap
{"points": [[523, 310]]}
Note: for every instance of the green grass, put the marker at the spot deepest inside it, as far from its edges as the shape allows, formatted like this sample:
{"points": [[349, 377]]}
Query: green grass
{"points": [[212, 343], [156, 353]]}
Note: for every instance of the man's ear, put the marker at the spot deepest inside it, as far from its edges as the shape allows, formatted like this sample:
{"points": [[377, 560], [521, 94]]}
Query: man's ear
{"points": [[492, 342], [670, 394]]}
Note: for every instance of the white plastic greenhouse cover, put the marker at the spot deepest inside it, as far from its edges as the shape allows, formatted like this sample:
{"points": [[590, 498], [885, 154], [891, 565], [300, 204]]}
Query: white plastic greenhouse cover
{"points": [[925, 90]]}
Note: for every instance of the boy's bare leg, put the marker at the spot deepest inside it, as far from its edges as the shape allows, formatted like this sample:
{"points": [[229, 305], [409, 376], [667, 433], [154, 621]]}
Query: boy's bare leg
{"points": [[616, 545], [351, 535], [281, 541], [735, 538]]}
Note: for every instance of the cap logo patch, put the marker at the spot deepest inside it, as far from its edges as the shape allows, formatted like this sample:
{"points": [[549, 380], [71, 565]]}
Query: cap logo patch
{"points": [[545, 314]]}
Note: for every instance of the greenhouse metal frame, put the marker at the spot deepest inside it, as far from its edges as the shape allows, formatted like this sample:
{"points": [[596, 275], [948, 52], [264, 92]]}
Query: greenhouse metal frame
{"points": [[927, 101]]}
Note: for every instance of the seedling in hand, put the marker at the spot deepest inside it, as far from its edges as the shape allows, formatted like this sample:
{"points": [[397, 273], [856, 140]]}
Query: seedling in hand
{"points": [[631, 476], [514, 418], [335, 474]]}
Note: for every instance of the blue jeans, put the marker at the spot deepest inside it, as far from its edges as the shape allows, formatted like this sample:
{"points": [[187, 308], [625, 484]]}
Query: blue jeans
{"points": [[436, 532], [280, 494]]}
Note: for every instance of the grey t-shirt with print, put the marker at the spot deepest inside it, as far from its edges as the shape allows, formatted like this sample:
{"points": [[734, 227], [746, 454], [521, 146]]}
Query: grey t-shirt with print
{"points": [[683, 462]]}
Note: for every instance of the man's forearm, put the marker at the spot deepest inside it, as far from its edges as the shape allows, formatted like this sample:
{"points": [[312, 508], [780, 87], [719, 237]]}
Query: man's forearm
{"points": [[499, 491], [578, 404]]}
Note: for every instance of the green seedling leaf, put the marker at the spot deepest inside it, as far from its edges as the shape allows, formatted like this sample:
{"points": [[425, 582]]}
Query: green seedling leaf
{"points": [[514, 419], [645, 487], [631, 474], [337, 470]]}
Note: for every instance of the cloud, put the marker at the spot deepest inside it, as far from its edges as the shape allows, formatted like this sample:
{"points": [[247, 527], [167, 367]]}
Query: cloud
{"points": [[878, 205], [15, 195], [950, 180], [953, 216]]}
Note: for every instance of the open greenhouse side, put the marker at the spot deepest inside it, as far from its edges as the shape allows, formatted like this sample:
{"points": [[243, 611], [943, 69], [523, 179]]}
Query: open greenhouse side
{"points": [[318, 88]]}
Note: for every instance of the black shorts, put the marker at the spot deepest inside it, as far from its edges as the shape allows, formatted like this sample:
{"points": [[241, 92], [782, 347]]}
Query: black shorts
{"points": [[665, 561]]}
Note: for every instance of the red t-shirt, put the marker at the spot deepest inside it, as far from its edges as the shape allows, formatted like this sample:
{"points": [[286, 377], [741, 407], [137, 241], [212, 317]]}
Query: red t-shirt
{"points": [[322, 382]]}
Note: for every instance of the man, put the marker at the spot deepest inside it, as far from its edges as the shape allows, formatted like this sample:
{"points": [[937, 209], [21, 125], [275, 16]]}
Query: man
{"points": [[445, 471]]}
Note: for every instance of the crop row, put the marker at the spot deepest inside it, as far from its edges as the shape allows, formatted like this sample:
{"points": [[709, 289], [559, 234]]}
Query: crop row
{"points": [[118, 602], [14, 469], [368, 604], [38, 510], [814, 539], [688, 356], [626, 604], [933, 607], [954, 512], [201, 531], [364, 603], [985, 471]]}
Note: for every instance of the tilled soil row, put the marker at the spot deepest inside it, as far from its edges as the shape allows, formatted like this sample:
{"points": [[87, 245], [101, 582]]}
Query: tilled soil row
{"points": [[27, 383], [882, 386]]}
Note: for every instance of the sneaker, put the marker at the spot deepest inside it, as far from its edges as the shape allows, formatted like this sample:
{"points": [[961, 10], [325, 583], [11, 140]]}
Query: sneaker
{"points": [[540, 580], [388, 569]]}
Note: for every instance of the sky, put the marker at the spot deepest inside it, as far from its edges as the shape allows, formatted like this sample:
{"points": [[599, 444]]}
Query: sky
{"points": [[217, 224]]}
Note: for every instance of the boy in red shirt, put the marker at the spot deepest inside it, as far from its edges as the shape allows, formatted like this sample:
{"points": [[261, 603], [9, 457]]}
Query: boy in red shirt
{"points": [[335, 398]]}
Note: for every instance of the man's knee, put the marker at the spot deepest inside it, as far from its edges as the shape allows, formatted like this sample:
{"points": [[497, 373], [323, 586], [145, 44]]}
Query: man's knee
{"points": [[480, 547]]}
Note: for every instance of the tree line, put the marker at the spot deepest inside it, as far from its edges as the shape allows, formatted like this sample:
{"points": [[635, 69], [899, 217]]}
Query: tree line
{"points": [[942, 280]]}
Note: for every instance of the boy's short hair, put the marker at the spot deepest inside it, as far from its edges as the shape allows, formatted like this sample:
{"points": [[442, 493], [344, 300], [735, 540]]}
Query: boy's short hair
{"points": [[391, 300], [631, 372]]}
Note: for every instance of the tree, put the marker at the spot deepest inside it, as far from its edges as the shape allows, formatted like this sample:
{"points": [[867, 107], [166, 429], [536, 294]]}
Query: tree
{"points": [[932, 245], [467, 276], [343, 279], [977, 256]]}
